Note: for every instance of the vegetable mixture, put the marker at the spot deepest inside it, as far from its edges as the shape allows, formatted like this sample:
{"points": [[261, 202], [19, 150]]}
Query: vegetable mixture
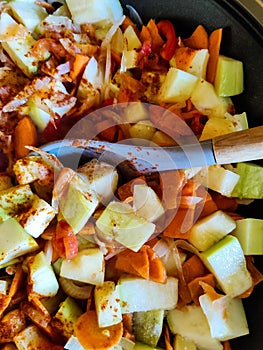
{"points": [[90, 258]]}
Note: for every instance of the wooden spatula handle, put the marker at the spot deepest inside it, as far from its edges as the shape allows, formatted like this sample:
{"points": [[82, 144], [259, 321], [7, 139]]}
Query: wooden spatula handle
{"points": [[239, 146]]}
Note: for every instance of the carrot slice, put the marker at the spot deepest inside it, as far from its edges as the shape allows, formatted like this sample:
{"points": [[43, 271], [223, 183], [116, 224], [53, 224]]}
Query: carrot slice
{"points": [[172, 183], [224, 203], [156, 39], [25, 134], [126, 190], [157, 269], [198, 40], [192, 268], [226, 345], [78, 66], [195, 288], [91, 336], [184, 57], [213, 48], [136, 263], [145, 34], [180, 224]]}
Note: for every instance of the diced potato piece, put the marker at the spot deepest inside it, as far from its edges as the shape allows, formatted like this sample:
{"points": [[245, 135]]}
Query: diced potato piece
{"points": [[210, 229], [119, 223], [178, 86], [36, 219], [66, 317], [107, 303], [15, 241], [87, 267], [225, 315], [42, 279], [131, 39], [205, 99], [146, 203], [15, 199], [218, 179], [31, 338], [149, 295], [30, 169]]}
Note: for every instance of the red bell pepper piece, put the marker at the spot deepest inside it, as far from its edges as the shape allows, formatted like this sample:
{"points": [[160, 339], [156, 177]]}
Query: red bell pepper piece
{"points": [[166, 29]]}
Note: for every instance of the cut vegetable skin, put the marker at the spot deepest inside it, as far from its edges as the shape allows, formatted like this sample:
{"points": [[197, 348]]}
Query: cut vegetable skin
{"points": [[87, 267], [149, 296], [226, 261], [177, 87], [218, 179], [15, 199], [66, 317], [225, 315], [249, 184], [107, 304], [39, 272], [191, 323], [146, 203], [229, 76], [250, 235], [15, 241], [27, 13], [148, 326], [93, 11], [119, 223], [210, 229]]}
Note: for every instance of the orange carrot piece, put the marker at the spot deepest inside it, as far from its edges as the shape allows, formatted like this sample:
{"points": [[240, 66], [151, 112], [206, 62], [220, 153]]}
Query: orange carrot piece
{"points": [[224, 203], [107, 131], [210, 291], [171, 183], [140, 262], [184, 57], [126, 190], [136, 263], [213, 48], [207, 206], [128, 22], [91, 336], [195, 288], [157, 269], [78, 66], [145, 34], [123, 263], [226, 345], [198, 39], [180, 224], [25, 134], [167, 338], [192, 268], [156, 39]]}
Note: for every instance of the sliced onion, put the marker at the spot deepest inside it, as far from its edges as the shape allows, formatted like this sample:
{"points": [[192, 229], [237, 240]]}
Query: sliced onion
{"points": [[75, 291]]}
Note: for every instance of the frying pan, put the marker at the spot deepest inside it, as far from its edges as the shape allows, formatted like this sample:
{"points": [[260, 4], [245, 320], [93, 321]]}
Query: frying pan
{"points": [[242, 23]]}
